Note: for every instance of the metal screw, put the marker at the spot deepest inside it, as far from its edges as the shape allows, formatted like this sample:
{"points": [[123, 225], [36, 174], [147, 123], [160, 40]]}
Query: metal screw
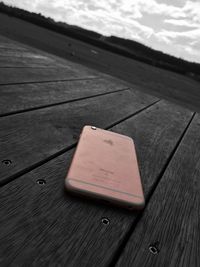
{"points": [[105, 221], [6, 161], [153, 249], [93, 128], [41, 182]]}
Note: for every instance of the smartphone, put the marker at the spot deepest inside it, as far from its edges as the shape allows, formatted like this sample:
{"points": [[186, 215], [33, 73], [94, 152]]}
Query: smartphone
{"points": [[105, 167]]}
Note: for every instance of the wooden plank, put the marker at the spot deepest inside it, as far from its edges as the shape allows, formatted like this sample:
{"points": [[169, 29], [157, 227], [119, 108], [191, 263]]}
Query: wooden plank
{"points": [[29, 62], [11, 46], [12, 55], [6, 43], [15, 56], [29, 58], [34, 59], [170, 223], [41, 225], [28, 96], [14, 52], [28, 138], [20, 54], [28, 75]]}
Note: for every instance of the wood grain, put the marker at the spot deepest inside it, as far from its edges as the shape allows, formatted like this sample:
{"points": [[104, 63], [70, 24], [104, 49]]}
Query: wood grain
{"points": [[153, 143], [6, 43], [171, 219], [25, 54], [10, 45], [26, 96], [41, 225], [28, 58], [28, 138], [16, 61], [28, 75], [13, 54], [11, 48], [21, 61]]}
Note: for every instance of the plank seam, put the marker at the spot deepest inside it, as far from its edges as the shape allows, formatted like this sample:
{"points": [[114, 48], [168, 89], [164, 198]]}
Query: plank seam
{"points": [[129, 233], [133, 114], [64, 150], [50, 81], [36, 67], [61, 103]]}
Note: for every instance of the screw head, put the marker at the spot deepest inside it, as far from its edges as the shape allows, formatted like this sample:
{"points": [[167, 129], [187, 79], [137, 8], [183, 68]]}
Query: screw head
{"points": [[153, 249], [93, 128], [105, 221], [6, 161], [41, 182]]}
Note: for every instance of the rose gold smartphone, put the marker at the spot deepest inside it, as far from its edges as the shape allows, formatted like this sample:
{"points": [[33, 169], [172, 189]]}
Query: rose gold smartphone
{"points": [[105, 167]]}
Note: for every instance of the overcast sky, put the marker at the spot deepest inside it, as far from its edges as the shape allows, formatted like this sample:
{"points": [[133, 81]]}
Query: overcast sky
{"points": [[170, 26]]}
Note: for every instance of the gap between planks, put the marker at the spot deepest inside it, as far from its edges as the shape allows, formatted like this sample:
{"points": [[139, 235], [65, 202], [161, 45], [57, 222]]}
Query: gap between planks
{"points": [[40, 163], [60, 103], [52, 81], [121, 248], [39, 67]]}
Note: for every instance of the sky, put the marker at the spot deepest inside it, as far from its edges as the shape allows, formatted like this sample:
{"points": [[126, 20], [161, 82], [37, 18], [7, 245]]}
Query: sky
{"points": [[171, 26]]}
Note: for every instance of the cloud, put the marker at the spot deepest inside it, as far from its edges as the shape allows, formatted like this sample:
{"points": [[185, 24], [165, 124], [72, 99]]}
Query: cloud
{"points": [[153, 7], [185, 50], [182, 44], [108, 18], [25, 4], [190, 35], [177, 26], [192, 9], [181, 22]]}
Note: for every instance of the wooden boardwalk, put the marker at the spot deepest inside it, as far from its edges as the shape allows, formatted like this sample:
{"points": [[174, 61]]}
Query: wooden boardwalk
{"points": [[44, 103]]}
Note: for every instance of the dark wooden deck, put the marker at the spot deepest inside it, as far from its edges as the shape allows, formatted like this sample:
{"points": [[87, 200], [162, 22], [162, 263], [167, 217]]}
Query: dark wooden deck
{"points": [[44, 103]]}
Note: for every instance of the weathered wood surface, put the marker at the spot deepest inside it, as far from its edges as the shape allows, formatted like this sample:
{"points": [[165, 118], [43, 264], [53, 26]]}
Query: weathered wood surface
{"points": [[24, 58], [21, 97], [13, 54], [24, 54], [31, 137], [43, 225], [6, 43], [15, 59], [28, 75], [29, 62], [170, 223]]}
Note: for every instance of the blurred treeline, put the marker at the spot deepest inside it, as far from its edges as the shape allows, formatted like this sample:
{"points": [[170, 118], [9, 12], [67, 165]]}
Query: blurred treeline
{"points": [[127, 48]]}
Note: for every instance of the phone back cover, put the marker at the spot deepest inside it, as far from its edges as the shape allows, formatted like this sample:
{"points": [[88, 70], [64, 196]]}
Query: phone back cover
{"points": [[105, 164]]}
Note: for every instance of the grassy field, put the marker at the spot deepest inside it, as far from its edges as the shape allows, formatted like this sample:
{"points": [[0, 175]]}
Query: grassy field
{"points": [[164, 84]]}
